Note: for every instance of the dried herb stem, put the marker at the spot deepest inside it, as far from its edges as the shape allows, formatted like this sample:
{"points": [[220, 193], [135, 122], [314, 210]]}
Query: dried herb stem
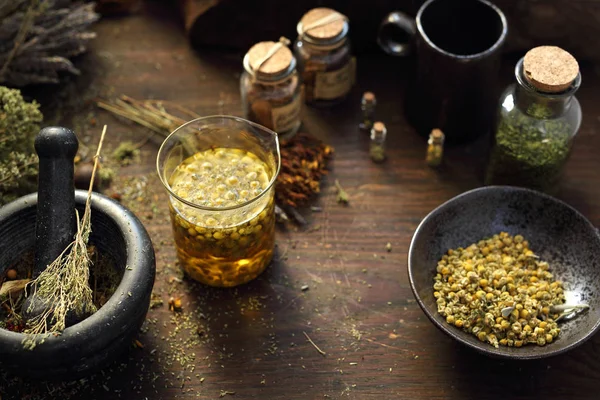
{"points": [[567, 309], [148, 113], [314, 344]]}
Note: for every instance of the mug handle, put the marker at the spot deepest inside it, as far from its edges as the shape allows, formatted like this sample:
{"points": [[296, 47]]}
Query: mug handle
{"points": [[405, 23]]}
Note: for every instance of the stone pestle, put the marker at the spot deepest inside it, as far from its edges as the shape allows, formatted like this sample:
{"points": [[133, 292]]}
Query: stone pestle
{"points": [[56, 223]]}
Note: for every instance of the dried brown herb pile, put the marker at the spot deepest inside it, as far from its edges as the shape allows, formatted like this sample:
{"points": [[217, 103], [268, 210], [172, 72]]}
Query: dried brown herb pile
{"points": [[304, 161]]}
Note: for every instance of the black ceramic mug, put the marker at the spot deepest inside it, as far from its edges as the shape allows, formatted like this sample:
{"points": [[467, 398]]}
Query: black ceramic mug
{"points": [[458, 48]]}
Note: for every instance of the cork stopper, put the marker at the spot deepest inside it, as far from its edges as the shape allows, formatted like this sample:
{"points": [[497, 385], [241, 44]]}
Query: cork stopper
{"points": [[550, 68], [275, 65], [323, 31], [436, 136], [368, 97], [379, 127]]}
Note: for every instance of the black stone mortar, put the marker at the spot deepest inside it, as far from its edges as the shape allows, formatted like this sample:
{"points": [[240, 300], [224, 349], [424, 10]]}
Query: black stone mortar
{"points": [[99, 339], [556, 232]]}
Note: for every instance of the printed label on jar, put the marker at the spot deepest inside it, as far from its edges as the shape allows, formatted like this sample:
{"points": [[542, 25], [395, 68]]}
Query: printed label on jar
{"points": [[284, 118], [334, 84]]}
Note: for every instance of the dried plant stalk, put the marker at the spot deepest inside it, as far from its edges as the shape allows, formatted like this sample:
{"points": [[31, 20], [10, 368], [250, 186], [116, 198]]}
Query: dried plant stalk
{"points": [[149, 113], [63, 286]]}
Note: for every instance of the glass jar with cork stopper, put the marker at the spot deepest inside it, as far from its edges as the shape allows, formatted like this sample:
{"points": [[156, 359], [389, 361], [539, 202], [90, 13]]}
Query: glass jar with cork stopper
{"points": [[538, 118], [270, 88], [324, 56]]}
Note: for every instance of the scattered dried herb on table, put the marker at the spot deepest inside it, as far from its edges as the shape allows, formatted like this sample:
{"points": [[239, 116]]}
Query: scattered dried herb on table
{"points": [[126, 153], [499, 291], [342, 196]]}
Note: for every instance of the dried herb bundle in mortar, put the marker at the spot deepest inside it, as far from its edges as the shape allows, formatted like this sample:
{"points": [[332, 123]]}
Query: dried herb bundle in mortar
{"points": [[64, 284]]}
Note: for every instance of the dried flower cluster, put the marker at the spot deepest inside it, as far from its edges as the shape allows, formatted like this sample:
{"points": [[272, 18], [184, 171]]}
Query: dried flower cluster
{"points": [[499, 291], [37, 38], [304, 161], [19, 123]]}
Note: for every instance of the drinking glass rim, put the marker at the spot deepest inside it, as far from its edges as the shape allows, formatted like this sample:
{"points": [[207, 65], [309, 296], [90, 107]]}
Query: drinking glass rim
{"points": [[230, 118]]}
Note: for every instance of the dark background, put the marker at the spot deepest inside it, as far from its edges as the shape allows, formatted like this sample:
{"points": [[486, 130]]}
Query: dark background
{"points": [[571, 24]]}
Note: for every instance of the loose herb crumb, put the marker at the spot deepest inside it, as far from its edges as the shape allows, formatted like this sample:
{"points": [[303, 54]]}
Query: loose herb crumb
{"points": [[342, 196], [126, 153]]}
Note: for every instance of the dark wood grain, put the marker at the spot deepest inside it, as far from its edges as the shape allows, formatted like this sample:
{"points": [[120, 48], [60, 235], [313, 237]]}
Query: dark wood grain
{"points": [[359, 308]]}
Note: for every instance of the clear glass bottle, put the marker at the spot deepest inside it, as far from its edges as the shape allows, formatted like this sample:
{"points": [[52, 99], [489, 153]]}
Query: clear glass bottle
{"points": [[324, 57], [367, 106], [271, 90], [377, 144], [435, 148], [538, 118]]}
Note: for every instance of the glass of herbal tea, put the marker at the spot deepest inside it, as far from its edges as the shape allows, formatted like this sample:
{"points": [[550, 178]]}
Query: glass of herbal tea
{"points": [[220, 172]]}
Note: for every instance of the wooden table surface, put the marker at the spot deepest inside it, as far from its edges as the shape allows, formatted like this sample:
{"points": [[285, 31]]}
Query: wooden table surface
{"points": [[249, 342]]}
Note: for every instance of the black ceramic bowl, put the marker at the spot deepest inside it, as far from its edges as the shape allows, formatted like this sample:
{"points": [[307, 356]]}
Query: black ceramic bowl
{"points": [[96, 341], [556, 232]]}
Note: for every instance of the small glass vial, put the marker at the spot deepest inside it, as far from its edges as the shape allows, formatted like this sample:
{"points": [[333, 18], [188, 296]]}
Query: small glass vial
{"points": [[270, 88], [435, 148], [324, 56], [367, 106], [537, 120], [377, 144]]}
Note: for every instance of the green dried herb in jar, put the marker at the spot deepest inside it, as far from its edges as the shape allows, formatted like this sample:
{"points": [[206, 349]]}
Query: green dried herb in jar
{"points": [[538, 118]]}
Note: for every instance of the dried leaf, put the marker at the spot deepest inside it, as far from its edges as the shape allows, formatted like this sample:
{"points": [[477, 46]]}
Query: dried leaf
{"points": [[12, 288]]}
